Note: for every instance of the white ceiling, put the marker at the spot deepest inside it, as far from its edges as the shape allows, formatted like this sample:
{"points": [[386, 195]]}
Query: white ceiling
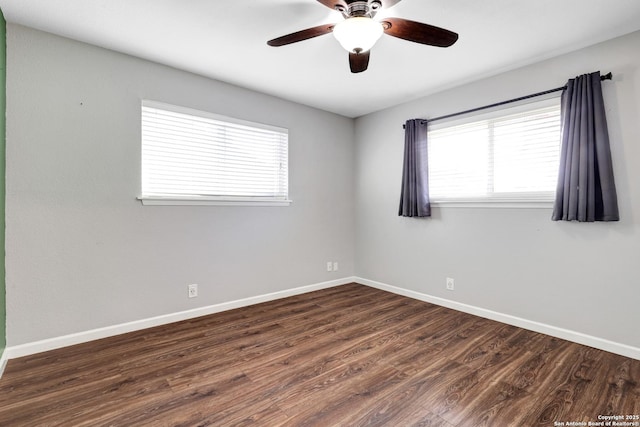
{"points": [[226, 40]]}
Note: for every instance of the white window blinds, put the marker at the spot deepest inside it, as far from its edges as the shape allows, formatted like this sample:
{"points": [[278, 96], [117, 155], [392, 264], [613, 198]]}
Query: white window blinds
{"points": [[508, 155], [194, 154]]}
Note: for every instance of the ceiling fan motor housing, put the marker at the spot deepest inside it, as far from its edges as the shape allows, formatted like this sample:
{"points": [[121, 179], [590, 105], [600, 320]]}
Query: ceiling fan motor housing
{"points": [[357, 8]]}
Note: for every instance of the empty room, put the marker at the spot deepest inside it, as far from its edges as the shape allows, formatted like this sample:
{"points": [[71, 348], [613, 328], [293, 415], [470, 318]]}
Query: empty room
{"points": [[320, 213]]}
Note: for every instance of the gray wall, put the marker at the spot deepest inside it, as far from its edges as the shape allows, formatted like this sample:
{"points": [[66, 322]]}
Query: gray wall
{"points": [[582, 277], [83, 253]]}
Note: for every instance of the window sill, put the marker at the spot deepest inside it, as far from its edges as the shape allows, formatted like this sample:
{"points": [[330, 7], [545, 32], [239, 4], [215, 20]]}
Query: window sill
{"points": [[486, 203], [211, 201]]}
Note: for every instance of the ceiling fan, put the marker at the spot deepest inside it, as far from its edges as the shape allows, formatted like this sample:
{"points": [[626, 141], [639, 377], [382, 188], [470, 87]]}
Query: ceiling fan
{"points": [[358, 32]]}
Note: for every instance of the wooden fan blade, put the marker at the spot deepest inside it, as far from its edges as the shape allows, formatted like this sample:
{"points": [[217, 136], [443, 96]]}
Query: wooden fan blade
{"points": [[358, 62], [343, 4], [302, 35], [419, 32]]}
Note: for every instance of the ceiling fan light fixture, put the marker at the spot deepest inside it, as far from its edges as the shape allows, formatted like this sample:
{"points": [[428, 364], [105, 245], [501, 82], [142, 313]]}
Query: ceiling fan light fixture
{"points": [[358, 34]]}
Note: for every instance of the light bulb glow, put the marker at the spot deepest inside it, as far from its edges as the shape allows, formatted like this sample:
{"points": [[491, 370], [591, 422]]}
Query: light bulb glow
{"points": [[358, 34]]}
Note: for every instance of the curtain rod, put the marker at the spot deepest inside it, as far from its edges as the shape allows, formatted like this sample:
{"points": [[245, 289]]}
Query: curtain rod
{"points": [[607, 76]]}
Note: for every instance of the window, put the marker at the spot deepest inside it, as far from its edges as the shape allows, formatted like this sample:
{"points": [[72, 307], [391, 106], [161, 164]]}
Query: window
{"points": [[511, 155], [195, 157]]}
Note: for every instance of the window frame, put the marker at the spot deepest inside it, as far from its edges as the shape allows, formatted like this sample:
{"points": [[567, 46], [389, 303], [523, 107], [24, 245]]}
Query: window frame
{"points": [[534, 200], [211, 200]]}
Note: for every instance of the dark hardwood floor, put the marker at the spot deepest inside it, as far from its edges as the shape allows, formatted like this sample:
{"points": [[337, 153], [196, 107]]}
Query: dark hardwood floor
{"points": [[345, 356]]}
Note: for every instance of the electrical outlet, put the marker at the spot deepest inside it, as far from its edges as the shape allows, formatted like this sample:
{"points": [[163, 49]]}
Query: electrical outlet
{"points": [[193, 290], [335, 266], [329, 266], [450, 283]]}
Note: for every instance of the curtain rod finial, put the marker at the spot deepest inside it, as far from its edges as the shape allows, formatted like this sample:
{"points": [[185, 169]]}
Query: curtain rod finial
{"points": [[607, 76]]}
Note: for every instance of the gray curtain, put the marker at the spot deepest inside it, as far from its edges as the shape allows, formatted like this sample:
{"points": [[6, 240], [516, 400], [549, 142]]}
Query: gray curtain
{"points": [[414, 199], [586, 190]]}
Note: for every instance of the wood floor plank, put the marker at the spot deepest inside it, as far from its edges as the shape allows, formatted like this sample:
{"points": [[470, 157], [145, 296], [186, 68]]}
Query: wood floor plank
{"points": [[623, 388], [342, 401], [344, 356]]}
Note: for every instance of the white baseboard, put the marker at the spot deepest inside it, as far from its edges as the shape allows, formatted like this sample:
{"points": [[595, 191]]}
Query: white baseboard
{"points": [[3, 362], [109, 331], [13, 352], [577, 337]]}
